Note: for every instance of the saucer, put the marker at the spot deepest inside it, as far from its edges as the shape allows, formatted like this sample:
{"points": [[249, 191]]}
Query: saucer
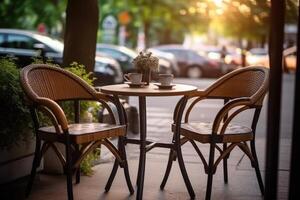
{"points": [[136, 85], [164, 87]]}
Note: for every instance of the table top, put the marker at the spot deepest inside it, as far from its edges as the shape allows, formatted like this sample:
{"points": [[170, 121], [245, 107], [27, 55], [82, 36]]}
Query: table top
{"points": [[151, 90]]}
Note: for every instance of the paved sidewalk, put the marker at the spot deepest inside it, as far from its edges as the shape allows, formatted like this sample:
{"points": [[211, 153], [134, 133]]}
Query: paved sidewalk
{"points": [[242, 179]]}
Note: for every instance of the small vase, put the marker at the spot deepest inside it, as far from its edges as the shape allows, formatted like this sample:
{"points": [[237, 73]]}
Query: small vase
{"points": [[146, 76]]}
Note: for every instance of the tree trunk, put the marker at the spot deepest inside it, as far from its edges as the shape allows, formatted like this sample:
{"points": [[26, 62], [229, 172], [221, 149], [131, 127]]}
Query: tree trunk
{"points": [[81, 33], [263, 41], [166, 37]]}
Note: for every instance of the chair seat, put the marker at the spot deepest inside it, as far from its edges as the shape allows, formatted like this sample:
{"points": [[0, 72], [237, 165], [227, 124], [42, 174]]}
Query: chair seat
{"points": [[83, 133], [202, 132]]}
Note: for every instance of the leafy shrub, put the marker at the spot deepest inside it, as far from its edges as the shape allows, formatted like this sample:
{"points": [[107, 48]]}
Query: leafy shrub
{"points": [[88, 162], [15, 120]]}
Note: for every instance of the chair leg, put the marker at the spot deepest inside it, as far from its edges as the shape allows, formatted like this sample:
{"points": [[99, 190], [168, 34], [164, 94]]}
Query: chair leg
{"points": [[225, 168], [183, 171], [210, 171], [78, 175], [69, 169], [125, 164], [168, 169], [35, 165], [77, 154], [112, 175], [138, 175], [256, 166]]}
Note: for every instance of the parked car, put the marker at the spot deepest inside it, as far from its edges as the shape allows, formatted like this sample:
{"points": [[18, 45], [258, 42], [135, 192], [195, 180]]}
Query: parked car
{"points": [[107, 71], [290, 59], [192, 64], [125, 56], [234, 57], [27, 45], [211, 52], [257, 56], [167, 56]]}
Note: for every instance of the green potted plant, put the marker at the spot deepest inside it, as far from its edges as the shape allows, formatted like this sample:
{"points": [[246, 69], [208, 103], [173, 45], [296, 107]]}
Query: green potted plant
{"points": [[16, 135], [145, 63], [17, 141]]}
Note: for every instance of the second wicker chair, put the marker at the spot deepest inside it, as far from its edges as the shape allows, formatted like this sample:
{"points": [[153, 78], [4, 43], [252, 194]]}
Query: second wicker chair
{"points": [[241, 90]]}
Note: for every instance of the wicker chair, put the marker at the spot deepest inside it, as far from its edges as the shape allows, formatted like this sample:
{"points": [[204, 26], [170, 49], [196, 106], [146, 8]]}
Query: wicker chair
{"points": [[45, 86], [241, 90]]}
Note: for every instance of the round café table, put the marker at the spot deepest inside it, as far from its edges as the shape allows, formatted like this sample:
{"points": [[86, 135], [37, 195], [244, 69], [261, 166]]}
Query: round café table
{"points": [[142, 93]]}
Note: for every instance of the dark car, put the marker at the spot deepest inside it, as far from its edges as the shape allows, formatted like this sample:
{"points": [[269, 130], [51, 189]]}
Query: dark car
{"points": [[27, 45], [192, 64], [125, 56]]}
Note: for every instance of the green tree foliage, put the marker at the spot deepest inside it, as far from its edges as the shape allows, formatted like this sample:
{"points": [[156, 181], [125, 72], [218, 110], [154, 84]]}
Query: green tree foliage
{"points": [[162, 21], [248, 19], [27, 14], [244, 19], [291, 14]]}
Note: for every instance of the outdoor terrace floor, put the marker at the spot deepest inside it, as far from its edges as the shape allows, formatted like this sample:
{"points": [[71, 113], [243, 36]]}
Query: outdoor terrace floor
{"points": [[242, 180]]}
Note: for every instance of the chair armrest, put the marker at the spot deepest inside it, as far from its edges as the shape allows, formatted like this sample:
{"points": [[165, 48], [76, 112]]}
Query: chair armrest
{"points": [[198, 93], [109, 103], [201, 94], [102, 96], [244, 101], [56, 110]]}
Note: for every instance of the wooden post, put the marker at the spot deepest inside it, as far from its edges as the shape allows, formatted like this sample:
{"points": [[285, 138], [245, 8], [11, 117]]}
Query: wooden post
{"points": [[273, 119], [294, 171]]}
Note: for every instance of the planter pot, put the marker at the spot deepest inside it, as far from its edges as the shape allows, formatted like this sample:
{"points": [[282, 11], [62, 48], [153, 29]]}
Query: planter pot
{"points": [[52, 164], [17, 161]]}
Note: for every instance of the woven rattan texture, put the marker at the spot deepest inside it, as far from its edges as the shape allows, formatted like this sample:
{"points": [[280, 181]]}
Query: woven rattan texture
{"points": [[243, 84], [53, 84]]}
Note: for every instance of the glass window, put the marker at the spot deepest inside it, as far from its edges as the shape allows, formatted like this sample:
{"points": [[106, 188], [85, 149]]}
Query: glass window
{"points": [[19, 42]]}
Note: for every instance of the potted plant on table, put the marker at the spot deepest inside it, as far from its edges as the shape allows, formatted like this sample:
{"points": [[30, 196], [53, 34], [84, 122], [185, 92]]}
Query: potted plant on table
{"points": [[145, 63]]}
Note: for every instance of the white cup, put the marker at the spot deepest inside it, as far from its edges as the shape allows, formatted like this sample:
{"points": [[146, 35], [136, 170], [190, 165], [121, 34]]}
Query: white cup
{"points": [[165, 79], [134, 78]]}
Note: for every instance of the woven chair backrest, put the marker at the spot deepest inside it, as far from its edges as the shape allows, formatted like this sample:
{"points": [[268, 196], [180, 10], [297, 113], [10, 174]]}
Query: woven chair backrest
{"points": [[41, 80], [247, 82]]}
